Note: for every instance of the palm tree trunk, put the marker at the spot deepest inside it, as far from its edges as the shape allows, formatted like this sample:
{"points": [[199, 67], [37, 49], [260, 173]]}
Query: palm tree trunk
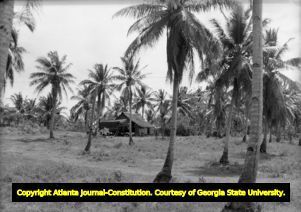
{"points": [[162, 128], [143, 111], [249, 173], [88, 146], [54, 93], [270, 139], [263, 146], [6, 17], [245, 138], [131, 142], [86, 120], [224, 159], [164, 176], [278, 133]]}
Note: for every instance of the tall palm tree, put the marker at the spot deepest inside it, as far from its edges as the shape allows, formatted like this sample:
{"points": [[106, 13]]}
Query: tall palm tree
{"points": [[102, 79], [18, 101], [143, 99], [82, 106], [6, 25], [15, 61], [236, 70], [249, 173], [54, 73], [275, 109], [100, 85], [184, 34], [130, 78]]}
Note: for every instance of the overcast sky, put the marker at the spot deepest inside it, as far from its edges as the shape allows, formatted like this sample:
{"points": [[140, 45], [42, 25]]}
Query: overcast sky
{"points": [[88, 34]]}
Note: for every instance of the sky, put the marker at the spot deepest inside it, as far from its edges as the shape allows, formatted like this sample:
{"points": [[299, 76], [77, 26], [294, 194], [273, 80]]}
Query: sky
{"points": [[87, 34]]}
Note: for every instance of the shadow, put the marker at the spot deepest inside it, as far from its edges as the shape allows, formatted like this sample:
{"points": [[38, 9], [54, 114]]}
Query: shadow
{"points": [[216, 169], [34, 140], [262, 156], [268, 156]]}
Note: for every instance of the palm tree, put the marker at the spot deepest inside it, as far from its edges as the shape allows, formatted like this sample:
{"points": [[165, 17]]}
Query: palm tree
{"points": [[164, 115], [159, 97], [54, 73], [45, 108], [6, 23], [130, 78], [100, 78], [275, 109], [236, 70], [14, 61], [184, 102], [249, 173], [30, 109], [150, 115], [18, 101], [121, 105], [143, 98], [162, 105], [100, 87], [82, 106], [93, 93], [184, 34]]}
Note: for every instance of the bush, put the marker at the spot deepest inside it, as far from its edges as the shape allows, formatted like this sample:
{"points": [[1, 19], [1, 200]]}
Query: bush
{"points": [[184, 130]]}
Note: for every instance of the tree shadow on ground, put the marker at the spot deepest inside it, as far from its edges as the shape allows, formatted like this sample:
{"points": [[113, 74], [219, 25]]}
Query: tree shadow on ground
{"points": [[216, 169], [34, 140], [262, 156]]}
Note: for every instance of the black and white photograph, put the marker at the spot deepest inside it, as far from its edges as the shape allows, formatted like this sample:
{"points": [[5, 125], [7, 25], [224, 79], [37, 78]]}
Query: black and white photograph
{"points": [[150, 91]]}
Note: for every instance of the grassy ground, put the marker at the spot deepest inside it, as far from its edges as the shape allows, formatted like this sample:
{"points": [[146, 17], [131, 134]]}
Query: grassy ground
{"points": [[35, 158]]}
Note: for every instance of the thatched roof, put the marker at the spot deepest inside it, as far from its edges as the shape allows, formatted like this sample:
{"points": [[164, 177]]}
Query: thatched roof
{"points": [[137, 119], [113, 123]]}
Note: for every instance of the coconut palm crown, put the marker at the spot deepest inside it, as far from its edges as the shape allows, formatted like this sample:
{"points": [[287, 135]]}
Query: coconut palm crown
{"points": [[54, 73]]}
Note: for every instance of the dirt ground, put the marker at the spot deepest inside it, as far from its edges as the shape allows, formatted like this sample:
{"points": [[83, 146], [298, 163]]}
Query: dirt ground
{"points": [[35, 158]]}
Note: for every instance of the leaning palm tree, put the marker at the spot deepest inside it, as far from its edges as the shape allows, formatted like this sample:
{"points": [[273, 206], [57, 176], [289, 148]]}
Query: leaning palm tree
{"points": [[6, 23], [184, 34], [249, 173], [100, 85], [130, 78], [82, 106], [143, 99], [54, 73]]}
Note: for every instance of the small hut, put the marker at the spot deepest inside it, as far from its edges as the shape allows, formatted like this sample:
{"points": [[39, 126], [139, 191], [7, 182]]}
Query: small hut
{"points": [[120, 126]]}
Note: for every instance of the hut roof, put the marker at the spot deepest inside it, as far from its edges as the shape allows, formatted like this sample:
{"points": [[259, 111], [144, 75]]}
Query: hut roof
{"points": [[137, 119]]}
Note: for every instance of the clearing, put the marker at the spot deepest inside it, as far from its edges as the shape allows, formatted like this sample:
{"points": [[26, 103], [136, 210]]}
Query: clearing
{"points": [[35, 158]]}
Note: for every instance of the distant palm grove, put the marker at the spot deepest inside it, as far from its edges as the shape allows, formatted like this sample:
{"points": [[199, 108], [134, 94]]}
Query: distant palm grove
{"points": [[246, 93]]}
